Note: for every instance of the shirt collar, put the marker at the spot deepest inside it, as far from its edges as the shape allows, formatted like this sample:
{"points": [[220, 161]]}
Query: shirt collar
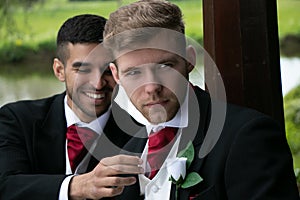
{"points": [[179, 121], [96, 125]]}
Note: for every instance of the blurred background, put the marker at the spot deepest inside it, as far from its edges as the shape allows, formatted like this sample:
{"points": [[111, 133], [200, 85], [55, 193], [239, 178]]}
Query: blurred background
{"points": [[28, 31]]}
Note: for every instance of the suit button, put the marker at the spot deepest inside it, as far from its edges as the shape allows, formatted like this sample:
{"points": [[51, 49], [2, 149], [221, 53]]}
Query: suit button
{"points": [[154, 189]]}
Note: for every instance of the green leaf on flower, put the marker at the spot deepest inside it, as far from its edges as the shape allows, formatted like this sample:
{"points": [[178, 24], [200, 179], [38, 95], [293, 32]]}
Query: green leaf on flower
{"points": [[176, 182], [188, 153], [191, 179]]}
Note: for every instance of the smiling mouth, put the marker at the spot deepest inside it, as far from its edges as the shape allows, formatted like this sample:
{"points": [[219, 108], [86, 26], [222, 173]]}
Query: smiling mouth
{"points": [[95, 96]]}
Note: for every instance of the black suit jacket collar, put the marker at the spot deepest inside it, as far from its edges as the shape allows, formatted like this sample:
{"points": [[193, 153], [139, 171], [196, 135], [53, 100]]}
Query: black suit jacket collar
{"points": [[49, 142]]}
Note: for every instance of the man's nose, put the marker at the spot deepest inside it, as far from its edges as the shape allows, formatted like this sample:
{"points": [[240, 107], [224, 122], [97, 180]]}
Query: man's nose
{"points": [[153, 83], [97, 80]]}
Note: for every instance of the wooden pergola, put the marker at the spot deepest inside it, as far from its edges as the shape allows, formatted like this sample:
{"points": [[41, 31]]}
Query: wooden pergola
{"points": [[241, 36]]}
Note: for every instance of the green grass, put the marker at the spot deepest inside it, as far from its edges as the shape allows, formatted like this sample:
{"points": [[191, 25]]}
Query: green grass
{"points": [[296, 158], [38, 27], [43, 21], [288, 17]]}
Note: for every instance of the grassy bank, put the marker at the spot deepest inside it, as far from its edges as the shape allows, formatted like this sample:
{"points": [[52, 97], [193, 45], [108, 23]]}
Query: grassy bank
{"points": [[42, 22], [289, 27], [37, 28], [288, 17]]}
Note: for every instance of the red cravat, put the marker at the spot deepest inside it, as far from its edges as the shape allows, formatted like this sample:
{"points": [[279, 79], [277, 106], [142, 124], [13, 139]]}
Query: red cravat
{"points": [[78, 139], [158, 148]]}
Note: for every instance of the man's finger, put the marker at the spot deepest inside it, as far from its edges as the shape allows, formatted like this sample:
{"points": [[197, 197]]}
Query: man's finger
{"points": [[121, 159], [108, 192], [123, 169]]}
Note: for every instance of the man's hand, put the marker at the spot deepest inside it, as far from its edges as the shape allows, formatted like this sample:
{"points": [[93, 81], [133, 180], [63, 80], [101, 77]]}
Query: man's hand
{"points": [[104, 181]]}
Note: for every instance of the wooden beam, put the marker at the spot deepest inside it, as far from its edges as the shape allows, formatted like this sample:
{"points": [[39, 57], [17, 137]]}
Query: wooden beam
{"points": [[241, 36]]}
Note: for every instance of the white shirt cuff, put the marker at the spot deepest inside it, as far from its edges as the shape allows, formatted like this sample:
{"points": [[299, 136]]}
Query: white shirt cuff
{"points": [[64, 188]]}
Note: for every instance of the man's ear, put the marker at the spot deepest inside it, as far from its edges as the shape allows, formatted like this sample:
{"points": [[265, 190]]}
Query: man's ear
{"points": [[191, 57], [59, 69], [114, 71]]}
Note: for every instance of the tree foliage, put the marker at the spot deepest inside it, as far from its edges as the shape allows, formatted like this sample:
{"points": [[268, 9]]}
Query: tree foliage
{"points": [[8, 27], [292, 118]]}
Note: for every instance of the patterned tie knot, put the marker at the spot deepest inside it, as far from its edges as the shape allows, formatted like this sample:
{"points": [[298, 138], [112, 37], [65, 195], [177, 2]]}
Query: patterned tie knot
{"points": [[79, 140], [159, 146]]}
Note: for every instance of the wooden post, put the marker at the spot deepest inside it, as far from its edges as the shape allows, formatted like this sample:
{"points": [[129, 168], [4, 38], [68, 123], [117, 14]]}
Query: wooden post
{"points": [[241, 36]]}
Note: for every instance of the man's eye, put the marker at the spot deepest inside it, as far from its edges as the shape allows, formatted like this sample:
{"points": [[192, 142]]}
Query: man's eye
{"points": [[165, 66], [132, 73], [84, 70]]}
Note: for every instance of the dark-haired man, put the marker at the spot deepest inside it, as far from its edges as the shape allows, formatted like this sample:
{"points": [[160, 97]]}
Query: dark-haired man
{"points": [[38, 146]]}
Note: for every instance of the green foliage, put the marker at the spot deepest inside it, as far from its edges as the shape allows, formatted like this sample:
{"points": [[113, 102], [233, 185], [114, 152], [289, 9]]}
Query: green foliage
{"points": [[293, 94], [197, 37], [36, 28], [292, 119], [8, 25], [17, 51], [192, 179], [47, 45], [188, 153], [288, 17], [14, 52], [290, 45], [297, 174]]}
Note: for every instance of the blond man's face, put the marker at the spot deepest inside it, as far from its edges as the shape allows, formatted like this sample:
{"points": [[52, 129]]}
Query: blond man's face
{"points": [[154, 80]]}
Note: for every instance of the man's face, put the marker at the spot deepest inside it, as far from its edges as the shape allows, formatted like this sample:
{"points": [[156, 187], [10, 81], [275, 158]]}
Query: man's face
{"points": [[89, 82], [154, 80]]}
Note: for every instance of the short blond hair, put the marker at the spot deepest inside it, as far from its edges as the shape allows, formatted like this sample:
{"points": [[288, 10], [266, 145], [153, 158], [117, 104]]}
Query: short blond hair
{"points": [[145, 13], [134, 22]]}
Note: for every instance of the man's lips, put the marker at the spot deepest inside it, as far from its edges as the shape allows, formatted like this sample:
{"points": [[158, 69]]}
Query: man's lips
{"points": [[162, 102]]}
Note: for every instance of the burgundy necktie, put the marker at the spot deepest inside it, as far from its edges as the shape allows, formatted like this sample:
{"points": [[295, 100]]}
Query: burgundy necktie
{"points": [[78, 139], [158, 148]]}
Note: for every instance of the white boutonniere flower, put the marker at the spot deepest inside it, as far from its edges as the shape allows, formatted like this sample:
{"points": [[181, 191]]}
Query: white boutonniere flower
{"points": [[177, 169]]}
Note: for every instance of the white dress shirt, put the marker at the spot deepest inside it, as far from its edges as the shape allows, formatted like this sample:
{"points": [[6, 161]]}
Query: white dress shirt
{"points": [[160, 186], [97, 126]]}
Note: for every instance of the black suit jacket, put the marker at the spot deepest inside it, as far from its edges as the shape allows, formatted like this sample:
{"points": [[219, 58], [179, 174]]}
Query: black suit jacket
{"points": [[250, 160], [32, 148]]}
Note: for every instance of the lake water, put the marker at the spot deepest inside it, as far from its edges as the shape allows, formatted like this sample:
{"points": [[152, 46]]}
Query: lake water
{"points": [[13, 89], [33, 87], [290, 73]]}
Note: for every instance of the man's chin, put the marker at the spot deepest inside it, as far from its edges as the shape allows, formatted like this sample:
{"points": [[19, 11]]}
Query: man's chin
{"points": [[157, 118], [100, 110]]}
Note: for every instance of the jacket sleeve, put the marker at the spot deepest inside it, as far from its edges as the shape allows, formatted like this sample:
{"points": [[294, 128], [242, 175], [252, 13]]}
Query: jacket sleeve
{"points": [[259, 163], [18, 177]]}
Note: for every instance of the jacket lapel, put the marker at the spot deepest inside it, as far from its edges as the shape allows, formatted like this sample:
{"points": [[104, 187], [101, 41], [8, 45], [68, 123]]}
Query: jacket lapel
{"points": [[49, 138], [136, 132], [110, 143], [196, 165], [135, 146], [200, 100]]}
